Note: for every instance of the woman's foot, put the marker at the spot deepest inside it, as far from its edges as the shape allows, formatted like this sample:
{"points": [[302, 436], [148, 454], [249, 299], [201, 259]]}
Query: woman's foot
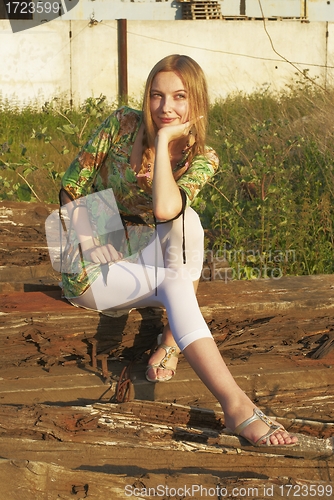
{"points": [[204, 357], [165, 367], [253, 425], [160, 369]]}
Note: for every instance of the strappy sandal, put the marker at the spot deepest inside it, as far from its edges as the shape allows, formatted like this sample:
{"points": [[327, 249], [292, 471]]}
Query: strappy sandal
{"points": [[171, 351], [273, 427]]}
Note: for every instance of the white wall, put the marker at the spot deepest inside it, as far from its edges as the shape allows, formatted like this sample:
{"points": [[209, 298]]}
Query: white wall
{"points": [[43, 62], [94, 60], [35, 63], [235, 55]]}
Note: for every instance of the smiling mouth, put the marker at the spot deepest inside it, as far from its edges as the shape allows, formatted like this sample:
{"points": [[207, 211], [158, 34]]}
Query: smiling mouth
{"points": [[167, 120]]}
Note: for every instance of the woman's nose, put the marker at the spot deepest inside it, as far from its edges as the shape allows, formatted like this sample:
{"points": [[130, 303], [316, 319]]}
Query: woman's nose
{"points": [[166, 104]]}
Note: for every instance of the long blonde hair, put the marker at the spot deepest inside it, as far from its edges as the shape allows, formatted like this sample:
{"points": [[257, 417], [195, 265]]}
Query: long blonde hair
{"points": [[194, 81]]}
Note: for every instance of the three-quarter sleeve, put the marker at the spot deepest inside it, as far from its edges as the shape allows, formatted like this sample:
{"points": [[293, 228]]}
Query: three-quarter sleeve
{"points": [[201, 169], [80, 175]]}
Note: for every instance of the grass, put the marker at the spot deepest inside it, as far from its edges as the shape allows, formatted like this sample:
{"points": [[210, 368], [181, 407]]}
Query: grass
{"points": [[37, 145], [269, 209]]}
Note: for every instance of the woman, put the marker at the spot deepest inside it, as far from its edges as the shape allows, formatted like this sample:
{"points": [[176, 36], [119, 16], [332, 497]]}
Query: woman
{"points": [[155, 162]]}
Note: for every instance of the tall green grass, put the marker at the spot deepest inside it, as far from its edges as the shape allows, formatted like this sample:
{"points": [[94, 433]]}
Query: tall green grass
{"points": [[269, 209]]}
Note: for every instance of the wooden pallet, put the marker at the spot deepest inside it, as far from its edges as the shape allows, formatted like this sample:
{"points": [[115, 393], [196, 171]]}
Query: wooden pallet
{"points": [[273, 18], [201, 10]]}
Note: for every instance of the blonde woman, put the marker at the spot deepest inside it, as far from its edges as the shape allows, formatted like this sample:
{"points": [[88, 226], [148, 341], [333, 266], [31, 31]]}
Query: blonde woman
{"points": [[156, 161]]}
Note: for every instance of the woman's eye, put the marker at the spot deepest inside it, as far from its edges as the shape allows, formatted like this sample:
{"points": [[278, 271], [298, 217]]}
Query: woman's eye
{"points": [[155, 95], [180, 96]]}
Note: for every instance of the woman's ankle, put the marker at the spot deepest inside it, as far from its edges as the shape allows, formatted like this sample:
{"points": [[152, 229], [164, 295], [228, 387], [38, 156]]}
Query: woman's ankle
{"points": [[167, 337]]}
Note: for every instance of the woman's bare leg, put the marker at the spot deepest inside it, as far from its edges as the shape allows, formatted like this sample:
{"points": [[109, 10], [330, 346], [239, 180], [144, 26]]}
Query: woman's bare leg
{"points": [[176, 293], [206, 360], [157, 356], [171, 235]]}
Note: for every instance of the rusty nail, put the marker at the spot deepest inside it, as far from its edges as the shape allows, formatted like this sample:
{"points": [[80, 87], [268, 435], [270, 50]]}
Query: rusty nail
{"points": [[104, 362], [93, 343]]}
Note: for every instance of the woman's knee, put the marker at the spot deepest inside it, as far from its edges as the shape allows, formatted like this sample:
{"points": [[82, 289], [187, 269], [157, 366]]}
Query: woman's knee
{"points": [[177, 276]]}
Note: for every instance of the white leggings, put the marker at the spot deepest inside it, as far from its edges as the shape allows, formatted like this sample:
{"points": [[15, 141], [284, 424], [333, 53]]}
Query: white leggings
{"points": [[167, 282]]}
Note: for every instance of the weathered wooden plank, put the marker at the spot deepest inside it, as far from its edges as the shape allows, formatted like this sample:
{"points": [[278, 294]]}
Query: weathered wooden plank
{"points": [[38, 481], [286, 392], [102, 438], [23, 223], [128, 457], [161, 426], [89, 451], [226, 320]]}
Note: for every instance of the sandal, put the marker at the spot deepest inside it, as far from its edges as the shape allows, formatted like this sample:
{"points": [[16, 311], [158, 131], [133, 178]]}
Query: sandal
{"points": [[171, 351], [273, 427]]}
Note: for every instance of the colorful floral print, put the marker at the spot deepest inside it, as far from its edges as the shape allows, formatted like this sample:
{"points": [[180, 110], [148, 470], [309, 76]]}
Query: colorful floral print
{"points": [[104, 163]]}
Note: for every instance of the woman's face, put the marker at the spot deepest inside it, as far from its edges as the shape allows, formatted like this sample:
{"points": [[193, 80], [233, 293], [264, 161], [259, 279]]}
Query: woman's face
{"points": [[169, 103]]}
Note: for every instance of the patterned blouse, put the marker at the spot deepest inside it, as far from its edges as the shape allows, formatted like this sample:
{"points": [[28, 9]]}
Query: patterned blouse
{"points": [[104, 163]]}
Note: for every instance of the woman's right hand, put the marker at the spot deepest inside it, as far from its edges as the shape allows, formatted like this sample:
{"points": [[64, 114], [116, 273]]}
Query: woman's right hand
{"points": [[174, 132], [101, 254]]}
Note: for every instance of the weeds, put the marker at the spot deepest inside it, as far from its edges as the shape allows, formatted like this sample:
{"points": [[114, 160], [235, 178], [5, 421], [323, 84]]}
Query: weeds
{"points": [[36, 146], [269, 209]]}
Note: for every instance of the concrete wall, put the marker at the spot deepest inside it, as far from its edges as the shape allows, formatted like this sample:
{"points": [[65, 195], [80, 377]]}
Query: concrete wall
{"points": [[35, 63], [43, 62]]}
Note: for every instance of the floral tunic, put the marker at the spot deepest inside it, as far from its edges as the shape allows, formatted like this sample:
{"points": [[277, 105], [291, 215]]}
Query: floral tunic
{"points": [[104, 163]]}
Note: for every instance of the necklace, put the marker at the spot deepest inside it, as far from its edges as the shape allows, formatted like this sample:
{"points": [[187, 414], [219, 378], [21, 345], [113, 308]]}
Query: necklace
{"points": [[185, 154]]}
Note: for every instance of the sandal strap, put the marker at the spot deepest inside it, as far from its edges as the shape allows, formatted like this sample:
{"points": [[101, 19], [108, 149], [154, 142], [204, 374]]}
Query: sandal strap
{"points": [[171, 351], [259, 415], [159, 365]]}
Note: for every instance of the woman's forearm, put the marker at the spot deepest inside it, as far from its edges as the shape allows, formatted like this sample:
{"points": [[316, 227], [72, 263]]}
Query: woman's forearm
{"points": [[94, 252], [82, 227], [167, 201]]}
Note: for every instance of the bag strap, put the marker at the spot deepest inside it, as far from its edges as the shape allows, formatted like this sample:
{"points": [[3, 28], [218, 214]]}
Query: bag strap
{"points": [[184, 203]]}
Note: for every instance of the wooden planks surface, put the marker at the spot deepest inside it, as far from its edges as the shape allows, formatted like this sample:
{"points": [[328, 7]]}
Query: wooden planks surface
{"points": [[62, 435]]}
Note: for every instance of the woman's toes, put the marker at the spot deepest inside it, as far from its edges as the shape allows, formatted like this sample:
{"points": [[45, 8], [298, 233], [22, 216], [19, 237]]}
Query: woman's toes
{"points": [[281, 438], [163, 373], [291, 439], [159, 374]]}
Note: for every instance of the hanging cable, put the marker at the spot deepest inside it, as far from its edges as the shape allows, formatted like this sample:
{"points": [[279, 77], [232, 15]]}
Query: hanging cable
{"points": [[284, 58]]}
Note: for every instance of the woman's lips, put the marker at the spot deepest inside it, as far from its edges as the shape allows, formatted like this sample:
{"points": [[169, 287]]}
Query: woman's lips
{"points": [[167, 120]]}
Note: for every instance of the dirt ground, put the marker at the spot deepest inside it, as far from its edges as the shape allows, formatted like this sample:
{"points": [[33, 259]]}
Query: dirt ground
{"points": [[79, 420]]}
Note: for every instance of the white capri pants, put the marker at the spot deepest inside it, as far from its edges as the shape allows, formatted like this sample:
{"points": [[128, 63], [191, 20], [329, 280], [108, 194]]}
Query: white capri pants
{"points": [[167, 283]]}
